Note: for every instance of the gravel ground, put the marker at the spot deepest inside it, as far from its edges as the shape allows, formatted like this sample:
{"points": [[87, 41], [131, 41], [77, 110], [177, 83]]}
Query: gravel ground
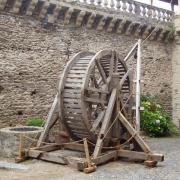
{"points": [[167, 170]]}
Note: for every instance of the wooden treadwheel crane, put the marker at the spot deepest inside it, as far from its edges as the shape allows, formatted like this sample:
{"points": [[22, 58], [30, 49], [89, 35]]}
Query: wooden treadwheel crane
{"points": [[94, 108]]}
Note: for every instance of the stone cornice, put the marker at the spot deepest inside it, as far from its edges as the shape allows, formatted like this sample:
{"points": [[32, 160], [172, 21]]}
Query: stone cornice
{"points": [[126, 19]]}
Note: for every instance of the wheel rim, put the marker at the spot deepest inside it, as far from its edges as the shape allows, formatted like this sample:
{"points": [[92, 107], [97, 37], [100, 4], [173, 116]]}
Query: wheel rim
{"points": [[81, 104]]}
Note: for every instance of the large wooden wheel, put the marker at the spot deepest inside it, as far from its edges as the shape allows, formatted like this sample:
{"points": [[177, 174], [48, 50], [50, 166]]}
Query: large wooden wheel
{"points": [[85, 89]]}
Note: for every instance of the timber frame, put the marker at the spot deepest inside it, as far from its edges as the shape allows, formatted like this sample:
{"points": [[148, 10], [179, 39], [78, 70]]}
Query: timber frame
{"points": [[57, 152], [86, 141]]}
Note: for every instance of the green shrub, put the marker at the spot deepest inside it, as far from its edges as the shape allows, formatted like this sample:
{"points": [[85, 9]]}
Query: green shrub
{"points": [[35, 122], [154, 121]]}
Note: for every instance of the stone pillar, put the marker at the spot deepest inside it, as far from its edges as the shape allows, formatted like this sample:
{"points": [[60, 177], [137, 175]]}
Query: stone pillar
{"points": [[176, 71]]}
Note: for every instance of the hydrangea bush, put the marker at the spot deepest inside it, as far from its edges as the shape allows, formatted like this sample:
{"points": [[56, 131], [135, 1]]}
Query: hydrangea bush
{"points": [[154, 121]]}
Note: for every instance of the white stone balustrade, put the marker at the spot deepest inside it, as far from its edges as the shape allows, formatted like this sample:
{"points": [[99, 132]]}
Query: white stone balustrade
{"points": [[132, 7], [117, 16]]}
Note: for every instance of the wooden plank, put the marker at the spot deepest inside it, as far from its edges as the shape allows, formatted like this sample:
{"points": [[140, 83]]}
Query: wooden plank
{"points": [[78, 110], [105, 123], [71, 95], [72, 119], [75, 76], [81, 128], [134, 133], [78, 123], [74, 147], [78, 68], [122, 81], [51, 119], [131, 52], [96, 101], [47, 156], [97, 121], [97, 90], [80, 134], [73, 85], [74, 80], [101, 71], [82, 62], [140, 155], [81, 65], [33, 153], [69, 114], [116, 62], [47, 148], [74, 91], [105, 157], [71, 100], [111, 67], [71, 105], [77, 71]]}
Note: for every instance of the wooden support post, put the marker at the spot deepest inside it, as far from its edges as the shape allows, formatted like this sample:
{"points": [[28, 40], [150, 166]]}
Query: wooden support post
{"points": [[21, 156], [134, 133], [140, 155], [105, 124], [138, 86], [91, 166], [51, 120], [131, 53]]}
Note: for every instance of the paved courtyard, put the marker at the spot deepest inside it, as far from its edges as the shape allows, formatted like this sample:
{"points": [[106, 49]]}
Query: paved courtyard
{"points": [[167, 170]]}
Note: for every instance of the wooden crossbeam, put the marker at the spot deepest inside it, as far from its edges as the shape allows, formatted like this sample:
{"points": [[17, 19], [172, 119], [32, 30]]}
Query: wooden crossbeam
{"points": [[134, 155]]}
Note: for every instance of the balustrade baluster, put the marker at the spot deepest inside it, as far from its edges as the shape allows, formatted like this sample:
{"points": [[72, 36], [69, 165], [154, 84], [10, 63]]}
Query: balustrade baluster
{"points": [[137, 8], [144, 11], [159, 15], [149, 12], [92, 1], [118, 5], [124, 5], [169, 16], [130, 7], [99, 2], [112, 4], [154, 15], [163, 15], [133, 7], [105, 3]]}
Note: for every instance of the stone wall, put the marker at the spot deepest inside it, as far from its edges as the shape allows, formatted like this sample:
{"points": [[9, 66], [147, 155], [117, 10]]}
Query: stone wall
{"points": [[32, 59], [176, 68]]}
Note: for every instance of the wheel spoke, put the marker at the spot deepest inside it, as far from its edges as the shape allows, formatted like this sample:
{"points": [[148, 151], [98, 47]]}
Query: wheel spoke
{"points": [[97, 121], [116, 62], [111, 64], [101, 71]]}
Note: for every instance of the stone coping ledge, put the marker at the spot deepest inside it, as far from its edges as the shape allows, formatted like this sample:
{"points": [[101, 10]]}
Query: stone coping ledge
{"points": [[22, 129]]}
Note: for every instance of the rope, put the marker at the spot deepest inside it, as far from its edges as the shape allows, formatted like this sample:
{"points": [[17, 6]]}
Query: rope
{"points": [[35, 140], [118, 146], [117, 116]]}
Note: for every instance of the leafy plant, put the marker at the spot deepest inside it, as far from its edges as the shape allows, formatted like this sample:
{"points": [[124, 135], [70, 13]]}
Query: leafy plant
{"points": [[35, 122], [154, 120]]}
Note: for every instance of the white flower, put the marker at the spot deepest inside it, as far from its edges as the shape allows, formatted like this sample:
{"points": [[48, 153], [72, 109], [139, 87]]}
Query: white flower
{"points": [[157, 121]]}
